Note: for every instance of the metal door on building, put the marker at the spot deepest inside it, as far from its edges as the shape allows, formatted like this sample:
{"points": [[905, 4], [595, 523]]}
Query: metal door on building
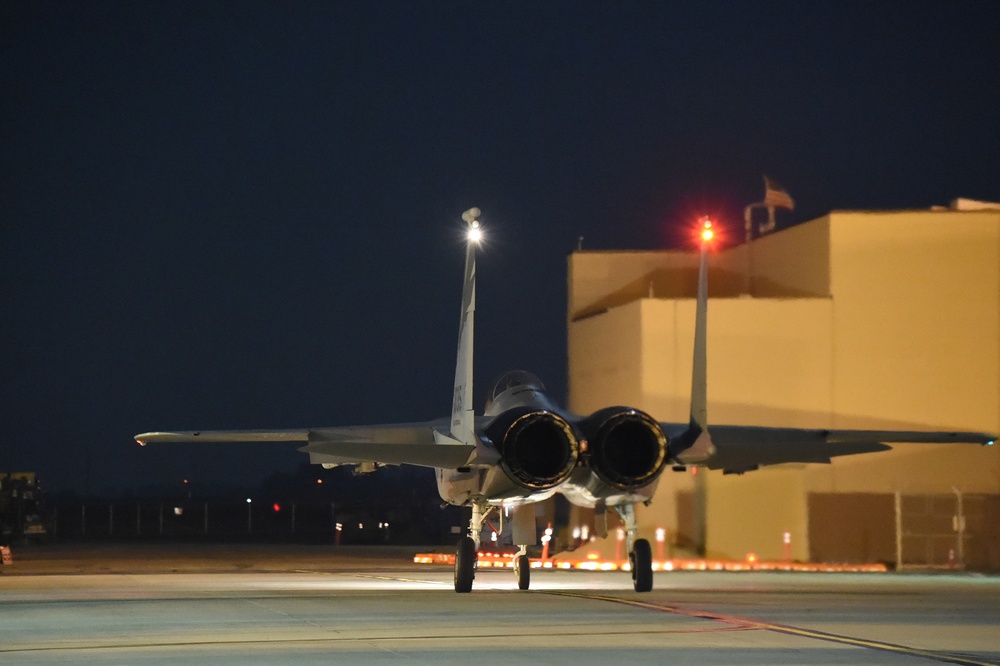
{"points": [[954, 530]]}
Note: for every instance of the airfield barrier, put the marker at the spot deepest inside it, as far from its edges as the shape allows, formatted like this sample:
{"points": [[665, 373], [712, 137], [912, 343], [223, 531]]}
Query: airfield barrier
{"points": [[293, 521]]}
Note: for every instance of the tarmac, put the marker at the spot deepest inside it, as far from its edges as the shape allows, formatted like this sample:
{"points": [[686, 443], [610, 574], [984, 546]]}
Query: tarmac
{"points": [[203, 604]]}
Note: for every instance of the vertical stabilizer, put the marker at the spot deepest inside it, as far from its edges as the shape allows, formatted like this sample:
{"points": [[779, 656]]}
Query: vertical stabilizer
{"points": [[697, 445], [462, 415], [699, 374]]}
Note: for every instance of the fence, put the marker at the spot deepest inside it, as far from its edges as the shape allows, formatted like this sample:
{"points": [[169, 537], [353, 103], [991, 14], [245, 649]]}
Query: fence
{"points": [[232, 520], [949, 531]]}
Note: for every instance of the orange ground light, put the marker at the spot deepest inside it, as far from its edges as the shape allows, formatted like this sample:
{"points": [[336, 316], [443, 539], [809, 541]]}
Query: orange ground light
{"points": [[504, 561]]}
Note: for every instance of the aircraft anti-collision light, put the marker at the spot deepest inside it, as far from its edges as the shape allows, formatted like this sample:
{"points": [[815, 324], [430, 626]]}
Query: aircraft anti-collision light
{"points": [[707, 233], [475, 233]]}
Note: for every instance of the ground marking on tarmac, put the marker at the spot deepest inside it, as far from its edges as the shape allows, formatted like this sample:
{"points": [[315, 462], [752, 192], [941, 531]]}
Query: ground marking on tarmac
{"points": [[398, 579], [748, 623]]}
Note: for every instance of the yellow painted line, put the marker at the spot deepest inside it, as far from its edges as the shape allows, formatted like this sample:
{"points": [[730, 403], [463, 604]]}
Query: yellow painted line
{"points": [[748, 623], [943, 657]]}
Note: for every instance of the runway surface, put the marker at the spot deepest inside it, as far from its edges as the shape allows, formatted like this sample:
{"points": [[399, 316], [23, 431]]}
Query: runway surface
{"points": [[375, 607]]}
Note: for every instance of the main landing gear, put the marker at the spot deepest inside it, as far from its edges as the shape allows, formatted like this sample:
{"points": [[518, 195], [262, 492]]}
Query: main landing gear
{"points": [[467, 552], [467, 556], [522, 569], [465, 564], [640, 555]]}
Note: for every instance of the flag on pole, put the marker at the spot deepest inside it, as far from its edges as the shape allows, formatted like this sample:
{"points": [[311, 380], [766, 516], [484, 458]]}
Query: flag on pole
{"points": [[775, 195]]}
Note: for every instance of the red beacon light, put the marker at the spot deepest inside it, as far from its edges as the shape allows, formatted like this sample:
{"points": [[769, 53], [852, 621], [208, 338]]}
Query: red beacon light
{"points": [[706, 231]]}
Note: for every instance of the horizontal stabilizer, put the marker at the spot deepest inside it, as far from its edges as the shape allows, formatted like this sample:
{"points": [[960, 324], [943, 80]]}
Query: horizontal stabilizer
{"points": [[909, 437], [426, 444], [407, 444], [224, 436], [743, 448]]}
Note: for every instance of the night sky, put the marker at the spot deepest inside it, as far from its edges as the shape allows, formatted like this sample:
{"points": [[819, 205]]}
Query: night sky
{"points": [[247, 214]]}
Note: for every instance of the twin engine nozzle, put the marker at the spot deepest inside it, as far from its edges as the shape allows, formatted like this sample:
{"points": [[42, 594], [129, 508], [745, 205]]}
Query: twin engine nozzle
{"points": [[627, 448], [539, 449]]}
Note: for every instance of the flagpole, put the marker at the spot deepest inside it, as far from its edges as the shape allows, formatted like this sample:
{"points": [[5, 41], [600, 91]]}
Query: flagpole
{"points": [[775, 196], [748, 229]]}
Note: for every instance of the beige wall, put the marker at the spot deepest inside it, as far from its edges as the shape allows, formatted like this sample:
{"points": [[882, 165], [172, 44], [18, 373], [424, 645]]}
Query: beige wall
{"points": [[917, 317], [794, 262], [874, 320], [750, 513], [599, 278]]}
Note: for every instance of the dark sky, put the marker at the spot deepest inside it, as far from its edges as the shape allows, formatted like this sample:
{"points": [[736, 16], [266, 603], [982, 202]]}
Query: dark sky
{"points": [[247, 215]]}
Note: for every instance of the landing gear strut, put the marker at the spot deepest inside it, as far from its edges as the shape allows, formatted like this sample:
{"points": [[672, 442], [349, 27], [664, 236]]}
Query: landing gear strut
{"points": [[640, 555], [466, 554], [524, 534]]}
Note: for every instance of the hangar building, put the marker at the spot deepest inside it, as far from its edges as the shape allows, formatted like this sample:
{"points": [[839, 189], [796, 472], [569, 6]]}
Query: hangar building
{"points": [[858, 319]]}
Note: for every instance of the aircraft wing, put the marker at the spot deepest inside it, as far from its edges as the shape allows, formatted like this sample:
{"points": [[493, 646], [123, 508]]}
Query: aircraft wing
{"points": [[424, 444], [744, 448]]}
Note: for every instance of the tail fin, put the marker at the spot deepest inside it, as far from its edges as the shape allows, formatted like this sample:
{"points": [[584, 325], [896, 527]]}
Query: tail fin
{"points": [[699, 379], [696, 444], [462, 414]]}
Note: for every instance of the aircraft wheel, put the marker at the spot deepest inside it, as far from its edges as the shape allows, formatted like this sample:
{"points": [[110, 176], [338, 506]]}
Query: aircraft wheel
{"points": [[522, 568], [641, 559], [465, 564]]}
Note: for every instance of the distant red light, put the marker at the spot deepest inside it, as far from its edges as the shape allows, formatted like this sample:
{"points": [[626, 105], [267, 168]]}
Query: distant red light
{"points": [[706, 230], [276, 507]]}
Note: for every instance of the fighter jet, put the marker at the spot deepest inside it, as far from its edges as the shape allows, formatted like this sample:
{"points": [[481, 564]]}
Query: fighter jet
{"points": [[524, 448]]}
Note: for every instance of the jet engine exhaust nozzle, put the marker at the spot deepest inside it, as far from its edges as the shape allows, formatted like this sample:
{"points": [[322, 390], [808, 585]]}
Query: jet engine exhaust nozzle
{"points": [[627, 448], [539, 450]]}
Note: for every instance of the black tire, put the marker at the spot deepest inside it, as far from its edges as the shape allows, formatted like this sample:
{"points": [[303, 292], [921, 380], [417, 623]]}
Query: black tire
{"points": [[641, 558], [465, 564], [522, 567]]}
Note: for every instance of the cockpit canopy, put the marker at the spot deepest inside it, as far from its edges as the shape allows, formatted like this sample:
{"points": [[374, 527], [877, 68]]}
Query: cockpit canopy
{"points": [[515, 379]]}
